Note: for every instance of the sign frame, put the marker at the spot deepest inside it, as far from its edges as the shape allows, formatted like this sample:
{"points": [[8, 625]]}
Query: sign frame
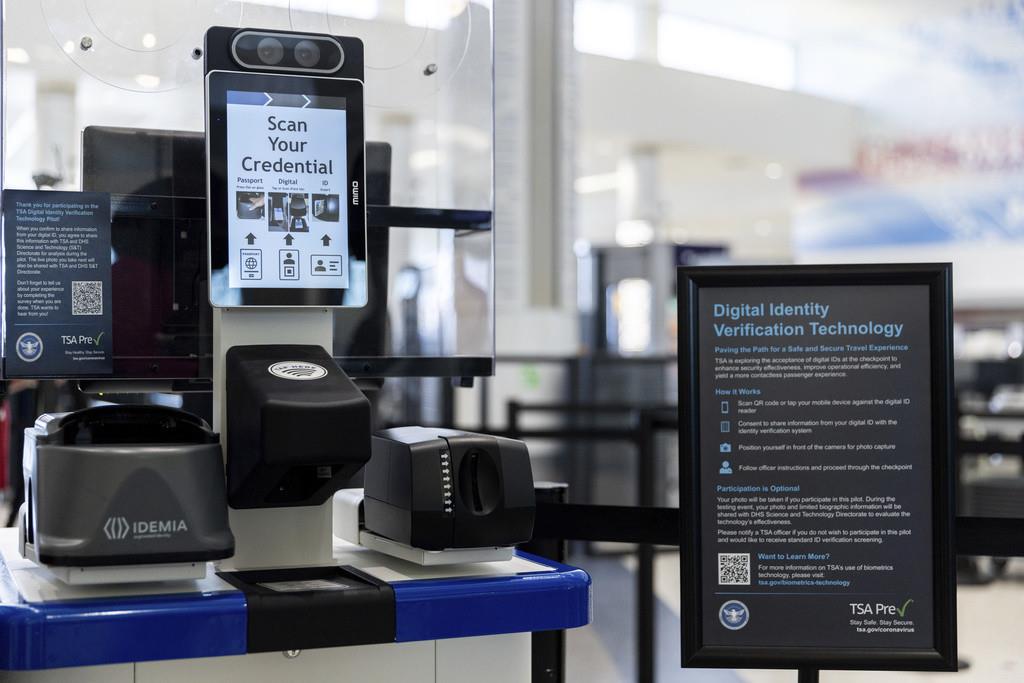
{"points": [[69, 343], [695, 653]]}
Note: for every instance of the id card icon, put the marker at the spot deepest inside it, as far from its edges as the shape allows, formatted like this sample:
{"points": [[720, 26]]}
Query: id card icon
{"points": [[325, 264]]}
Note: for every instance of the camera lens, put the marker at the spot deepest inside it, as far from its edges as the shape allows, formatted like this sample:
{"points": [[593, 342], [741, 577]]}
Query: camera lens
{"points": [[307, 53], [270, 51]]}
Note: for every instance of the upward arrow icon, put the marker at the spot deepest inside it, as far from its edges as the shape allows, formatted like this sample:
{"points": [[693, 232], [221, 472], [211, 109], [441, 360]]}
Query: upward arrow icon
{"points": [[250, 238], [288, 239], [326, 239]]}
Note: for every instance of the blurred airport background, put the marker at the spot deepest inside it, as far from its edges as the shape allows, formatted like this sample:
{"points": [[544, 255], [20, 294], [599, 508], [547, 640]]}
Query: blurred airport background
{"points": [[633, 136]]}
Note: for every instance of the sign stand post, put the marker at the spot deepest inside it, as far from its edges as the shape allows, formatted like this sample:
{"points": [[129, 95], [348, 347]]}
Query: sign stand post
{"points": [[807, 676]]}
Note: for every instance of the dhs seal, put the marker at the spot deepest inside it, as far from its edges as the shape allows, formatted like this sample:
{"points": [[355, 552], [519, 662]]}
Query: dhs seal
{"points": [[734, 615], [29, 347]]}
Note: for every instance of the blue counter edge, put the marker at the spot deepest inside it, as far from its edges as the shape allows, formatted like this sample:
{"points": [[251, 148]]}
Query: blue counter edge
{"points": [[54, 635], [435, 609], [90, 632]]}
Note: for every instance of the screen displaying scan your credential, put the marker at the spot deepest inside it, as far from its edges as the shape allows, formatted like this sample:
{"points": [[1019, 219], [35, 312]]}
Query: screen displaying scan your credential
{"points": [[287, 181]]}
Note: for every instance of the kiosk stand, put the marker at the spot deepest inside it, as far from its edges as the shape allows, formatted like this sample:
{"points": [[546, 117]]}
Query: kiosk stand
{"points": [[279, 536], [280, 594]]}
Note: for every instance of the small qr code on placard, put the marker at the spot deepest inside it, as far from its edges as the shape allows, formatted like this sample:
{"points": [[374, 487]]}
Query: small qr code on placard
{"points": [[87, 297], [733, 569]]}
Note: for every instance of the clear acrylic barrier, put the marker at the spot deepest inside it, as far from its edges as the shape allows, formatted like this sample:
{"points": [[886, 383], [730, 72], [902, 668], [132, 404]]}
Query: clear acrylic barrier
{"points": [[73, 65]]}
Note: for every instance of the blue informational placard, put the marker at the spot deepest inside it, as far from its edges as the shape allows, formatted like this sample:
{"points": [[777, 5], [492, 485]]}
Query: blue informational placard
{"points": [[57, 315], [816, 461]]}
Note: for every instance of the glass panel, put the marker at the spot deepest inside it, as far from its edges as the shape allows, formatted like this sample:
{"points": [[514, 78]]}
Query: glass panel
{"points": [[107, 95]]}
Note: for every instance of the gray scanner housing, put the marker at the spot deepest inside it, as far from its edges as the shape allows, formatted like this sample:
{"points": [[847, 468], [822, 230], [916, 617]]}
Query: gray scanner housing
{"points": [[124, 485]]}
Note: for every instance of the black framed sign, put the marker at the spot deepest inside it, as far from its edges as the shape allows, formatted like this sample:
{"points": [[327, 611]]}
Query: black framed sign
{"points": [[816, 467]]}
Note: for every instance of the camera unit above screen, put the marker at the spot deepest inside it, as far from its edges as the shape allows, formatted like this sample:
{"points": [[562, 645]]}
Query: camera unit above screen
{"points": [[273, 51], [283, 52]]}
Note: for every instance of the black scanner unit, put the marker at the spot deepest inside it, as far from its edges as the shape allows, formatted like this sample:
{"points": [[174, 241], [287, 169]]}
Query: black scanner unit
{"points": [[297, 427], [124, 485], [438, 489]]}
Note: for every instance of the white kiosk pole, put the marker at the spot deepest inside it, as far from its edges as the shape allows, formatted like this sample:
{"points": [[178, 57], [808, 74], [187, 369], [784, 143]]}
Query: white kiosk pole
{"points": [[280, 536]]}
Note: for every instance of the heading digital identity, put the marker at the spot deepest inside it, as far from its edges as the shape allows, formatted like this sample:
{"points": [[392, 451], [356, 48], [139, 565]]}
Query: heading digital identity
{"points": [[822, 327]]}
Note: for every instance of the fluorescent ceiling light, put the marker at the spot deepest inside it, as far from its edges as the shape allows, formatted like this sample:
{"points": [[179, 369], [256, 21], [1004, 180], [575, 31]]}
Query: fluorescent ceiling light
{"points": [[714, 50], [633, 310], [17, 55], [435, 15], [148, 81], [356, 9], [605, 27], [592, 184], [634, 233], [424, 159]]}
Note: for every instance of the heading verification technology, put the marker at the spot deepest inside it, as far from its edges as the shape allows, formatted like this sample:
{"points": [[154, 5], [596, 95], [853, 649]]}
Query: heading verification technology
{"points": [[737, 312], [836, 329]]}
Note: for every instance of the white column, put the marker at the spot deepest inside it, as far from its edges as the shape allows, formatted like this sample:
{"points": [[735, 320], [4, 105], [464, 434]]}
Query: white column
{"points": [[285, 536], [638, 196]]}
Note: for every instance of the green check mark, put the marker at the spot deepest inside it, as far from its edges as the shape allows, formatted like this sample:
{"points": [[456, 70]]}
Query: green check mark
{"points": [[98, 337], [903, 610]]}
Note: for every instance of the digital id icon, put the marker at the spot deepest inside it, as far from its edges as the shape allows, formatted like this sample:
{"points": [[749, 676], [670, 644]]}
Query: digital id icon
{"points": [[289, 262], [252, 264], [325, 264]]}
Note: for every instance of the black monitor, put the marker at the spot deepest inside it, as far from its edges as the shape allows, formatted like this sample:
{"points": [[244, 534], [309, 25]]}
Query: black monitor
{"points": [[163, 321], [286, 141], [162, 327]]}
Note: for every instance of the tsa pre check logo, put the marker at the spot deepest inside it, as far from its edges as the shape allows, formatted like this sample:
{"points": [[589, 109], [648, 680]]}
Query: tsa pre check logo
{"points": [[29, 347], [734, 615]]}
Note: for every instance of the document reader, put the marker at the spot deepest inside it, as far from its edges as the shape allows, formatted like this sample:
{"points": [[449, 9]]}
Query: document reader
{"points": [[437, 489], [123, 486]]}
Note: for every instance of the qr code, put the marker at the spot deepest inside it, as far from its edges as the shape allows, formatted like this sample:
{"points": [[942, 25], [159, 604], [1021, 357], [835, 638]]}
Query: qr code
{"points": [[733, 569], [87, 298]]}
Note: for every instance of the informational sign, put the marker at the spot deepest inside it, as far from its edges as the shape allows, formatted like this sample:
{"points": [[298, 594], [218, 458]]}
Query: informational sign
{"points": [[57, 299], [287, 174], [816, 462]]}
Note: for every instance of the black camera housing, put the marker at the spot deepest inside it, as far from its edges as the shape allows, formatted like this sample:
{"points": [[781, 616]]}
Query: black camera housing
{"points": [[292, 441], [237, 49]]}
